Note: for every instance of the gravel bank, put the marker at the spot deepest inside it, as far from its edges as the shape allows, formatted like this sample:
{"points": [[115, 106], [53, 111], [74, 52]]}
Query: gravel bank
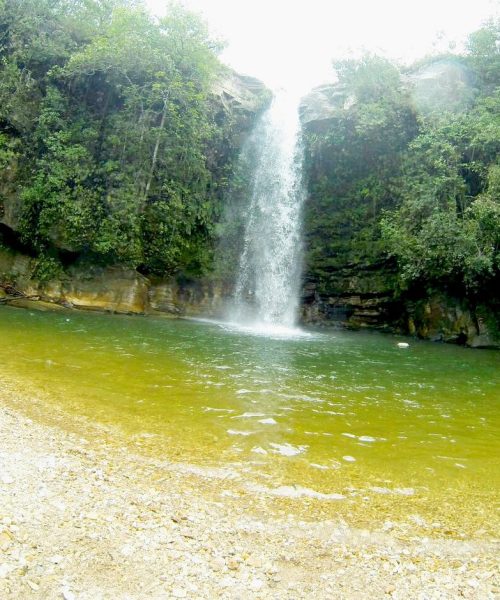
{"points": [[84, 518]]}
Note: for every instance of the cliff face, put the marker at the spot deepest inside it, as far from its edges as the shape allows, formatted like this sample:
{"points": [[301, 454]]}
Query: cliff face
{"points": [[348, 279], [356, 162], [239, 98], [355, 152], [124, 291], [83, 283], [108, 289]]}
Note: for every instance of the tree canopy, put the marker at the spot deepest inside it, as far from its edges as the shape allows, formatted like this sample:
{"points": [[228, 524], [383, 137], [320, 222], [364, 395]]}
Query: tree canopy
{"points": [[106, 118]]}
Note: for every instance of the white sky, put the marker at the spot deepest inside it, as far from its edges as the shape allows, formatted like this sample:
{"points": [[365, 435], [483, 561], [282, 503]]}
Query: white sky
{"points": [[291, 43]]}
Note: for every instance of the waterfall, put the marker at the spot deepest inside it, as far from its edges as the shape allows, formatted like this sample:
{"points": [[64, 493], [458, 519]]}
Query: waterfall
{"points": [[268, 283]]}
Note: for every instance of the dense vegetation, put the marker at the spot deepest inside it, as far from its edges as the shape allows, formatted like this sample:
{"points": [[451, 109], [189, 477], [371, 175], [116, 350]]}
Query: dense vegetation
{"points": [[112, 151], [107, 134], [409, 183]]}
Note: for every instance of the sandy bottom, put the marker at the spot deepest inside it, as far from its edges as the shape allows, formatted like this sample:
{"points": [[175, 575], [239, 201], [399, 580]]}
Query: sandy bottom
{"points": [[84, 516]]}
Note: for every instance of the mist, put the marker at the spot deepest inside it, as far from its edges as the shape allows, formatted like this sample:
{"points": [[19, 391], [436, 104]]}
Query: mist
{"points": [[292, 45]]}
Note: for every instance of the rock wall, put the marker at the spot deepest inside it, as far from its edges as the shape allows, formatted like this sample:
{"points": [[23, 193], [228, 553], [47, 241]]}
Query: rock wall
{"points": [[355, 296], [118, 290], [239, 98], [109, 289], [438, 318], [201, 298], [444, 318], [350, 281]]}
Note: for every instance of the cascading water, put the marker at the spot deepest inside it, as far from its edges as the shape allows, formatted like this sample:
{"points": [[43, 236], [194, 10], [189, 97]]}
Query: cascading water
{"points": [[268, 284]]}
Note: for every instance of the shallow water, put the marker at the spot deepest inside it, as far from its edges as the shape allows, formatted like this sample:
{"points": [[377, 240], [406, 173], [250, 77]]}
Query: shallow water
{"points": [[322, 415]]}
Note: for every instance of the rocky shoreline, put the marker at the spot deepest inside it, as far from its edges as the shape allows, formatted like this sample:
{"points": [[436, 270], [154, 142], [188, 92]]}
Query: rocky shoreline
{"points": [[84, 517], [125, 291]]}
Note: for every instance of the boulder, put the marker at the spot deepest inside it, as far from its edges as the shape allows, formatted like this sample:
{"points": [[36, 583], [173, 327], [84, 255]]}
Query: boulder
{"points": [[446, 319], [442, 85], [240, 94], [321, 106]]}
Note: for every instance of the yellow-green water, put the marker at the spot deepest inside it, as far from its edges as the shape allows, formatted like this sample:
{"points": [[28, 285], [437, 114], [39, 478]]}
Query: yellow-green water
{"points": [[329, 413]]}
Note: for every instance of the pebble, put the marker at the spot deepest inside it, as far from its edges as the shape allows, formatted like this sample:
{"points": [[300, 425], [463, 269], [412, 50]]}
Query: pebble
{"points": [[255, 561], [32, 585], [5, 569], [226, 582], [256, 584], [5, 540], [150, 538], [233, 564], [218, 563]]}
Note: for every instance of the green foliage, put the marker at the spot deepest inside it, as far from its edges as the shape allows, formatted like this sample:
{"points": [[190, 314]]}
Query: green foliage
{"points": [[112, 110], [369, 79], [484, 54], [353, 167], [7, 151], [388, 184], [47, 268], [446, 226]]}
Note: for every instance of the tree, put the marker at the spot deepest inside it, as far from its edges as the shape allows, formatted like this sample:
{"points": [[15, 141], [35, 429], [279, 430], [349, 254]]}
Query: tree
{"points": [[114, 114]]}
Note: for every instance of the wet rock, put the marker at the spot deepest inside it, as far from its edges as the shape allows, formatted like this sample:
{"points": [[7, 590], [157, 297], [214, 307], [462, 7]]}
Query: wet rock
{"points": [[448, 319]]}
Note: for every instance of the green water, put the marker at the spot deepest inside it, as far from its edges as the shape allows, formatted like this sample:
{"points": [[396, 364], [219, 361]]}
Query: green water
{"points": [[328, 413]]}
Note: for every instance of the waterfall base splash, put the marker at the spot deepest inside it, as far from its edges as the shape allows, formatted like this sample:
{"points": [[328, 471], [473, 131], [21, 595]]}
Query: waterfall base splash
{"points": [[258, 329]]}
